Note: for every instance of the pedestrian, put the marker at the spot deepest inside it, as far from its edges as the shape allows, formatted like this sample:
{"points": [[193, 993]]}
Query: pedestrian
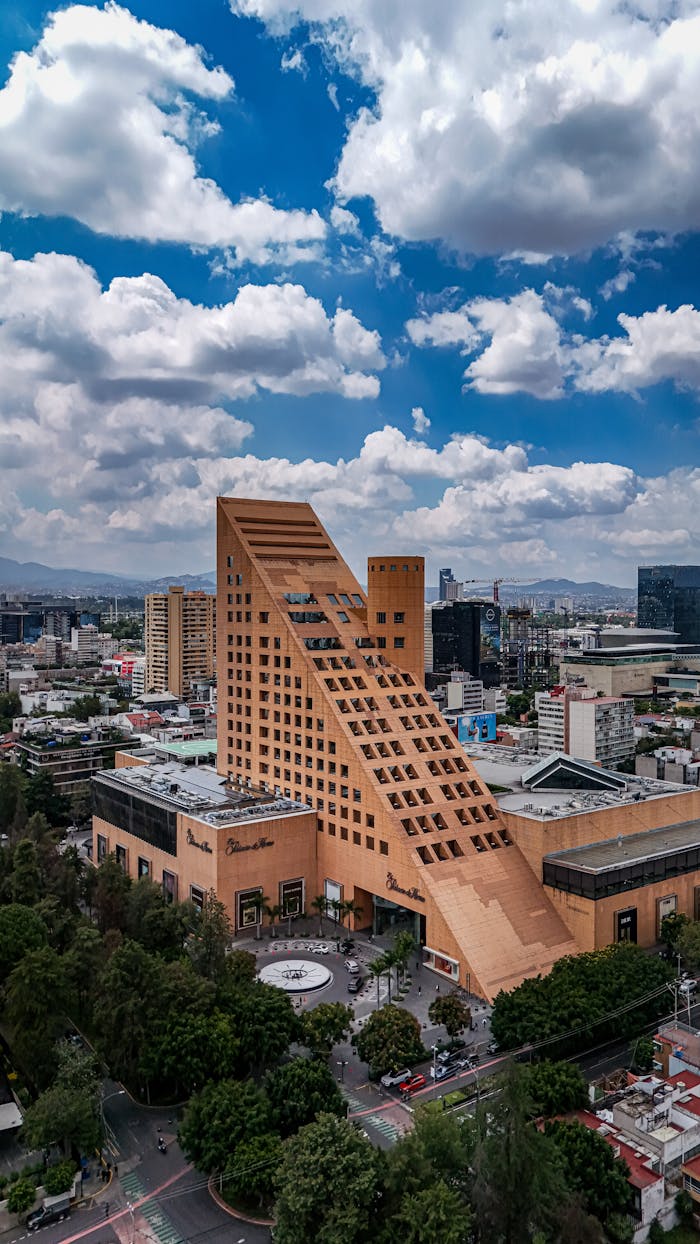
{"points": [[116, 1170], [420, 990], [437, 988], [106, 1209], [484, 1023]]}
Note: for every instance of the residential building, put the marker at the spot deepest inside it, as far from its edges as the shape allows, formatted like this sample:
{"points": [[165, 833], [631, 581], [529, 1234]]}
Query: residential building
{"points": [[85, 643], [495, 700], [180, 640], [669, 597], [670, 764], [601, 729], [466, 636], [70, 754], [465, 694], [138, 677]]}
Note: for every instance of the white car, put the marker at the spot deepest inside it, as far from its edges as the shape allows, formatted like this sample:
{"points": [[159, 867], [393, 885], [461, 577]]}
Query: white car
{"points": [[352, 966], [392, 1078], [321, 950], [688, 987]]}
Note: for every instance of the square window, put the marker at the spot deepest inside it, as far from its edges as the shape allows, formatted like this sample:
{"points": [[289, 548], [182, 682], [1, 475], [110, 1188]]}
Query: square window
{"points": [[399, 619], [398, 641]]}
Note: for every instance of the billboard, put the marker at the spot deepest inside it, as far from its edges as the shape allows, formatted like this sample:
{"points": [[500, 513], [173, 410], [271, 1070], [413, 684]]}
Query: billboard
{"points": [[476, 728], [490, 633]]}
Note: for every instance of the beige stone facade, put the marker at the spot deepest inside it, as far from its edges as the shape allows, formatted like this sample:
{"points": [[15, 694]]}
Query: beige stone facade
{"points": [[180, 633]]}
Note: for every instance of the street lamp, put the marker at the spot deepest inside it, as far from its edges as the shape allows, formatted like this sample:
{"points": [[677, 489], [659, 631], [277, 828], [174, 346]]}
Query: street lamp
{"points": [[130, 1208], [116, 1093]]}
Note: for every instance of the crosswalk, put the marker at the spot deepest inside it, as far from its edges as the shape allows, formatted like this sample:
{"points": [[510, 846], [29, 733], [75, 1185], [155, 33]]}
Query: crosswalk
{"points": [[378, 1121], [160, 1225]]}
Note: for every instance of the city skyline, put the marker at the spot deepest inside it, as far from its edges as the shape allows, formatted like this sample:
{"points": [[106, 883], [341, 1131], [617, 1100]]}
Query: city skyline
{"points": [[431, 271]]}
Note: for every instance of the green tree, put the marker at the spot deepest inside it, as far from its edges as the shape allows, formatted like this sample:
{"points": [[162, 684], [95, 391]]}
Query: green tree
{"points": [[240, 968], [324, 1026], [189, 1050], [128, 1004], [404, 946], [555, 1088], [517, 1187], [12, 784], [37, 827], [440, 1146], [26, 878], [266, 1025], [689, 945], [591, 1169], [42, 796], [390, 1039], [59, 1178], [36, 999], [672, 927], [84, 707], [62, 1115], [436, 1213], [298, 1091], [221, 1117], [253, 1169], [110, 897], [578, 993], [21, 1196], [377, 969], [21, 930], [643, 1054], [328, 1185], [10, 707], [449, 1011], [81, 807], [82, 963], [210, 938], [160, 926]]}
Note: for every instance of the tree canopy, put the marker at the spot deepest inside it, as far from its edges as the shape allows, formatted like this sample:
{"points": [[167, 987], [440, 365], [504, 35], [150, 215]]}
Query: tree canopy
{"points": [[389, 1039]]}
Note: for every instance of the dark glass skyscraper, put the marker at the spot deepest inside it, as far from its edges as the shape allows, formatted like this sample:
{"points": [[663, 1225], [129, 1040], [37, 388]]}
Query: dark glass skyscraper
{"points": [[446, 576], [668, 597], [467, 636]]}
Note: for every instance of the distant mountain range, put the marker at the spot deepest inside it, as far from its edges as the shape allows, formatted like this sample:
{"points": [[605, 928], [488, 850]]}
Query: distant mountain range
{"points": [[35, 578], [591, 590]]}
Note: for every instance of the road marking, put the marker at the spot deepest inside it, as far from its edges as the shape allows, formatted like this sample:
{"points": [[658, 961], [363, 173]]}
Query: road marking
{"points": [[101, 1223]]}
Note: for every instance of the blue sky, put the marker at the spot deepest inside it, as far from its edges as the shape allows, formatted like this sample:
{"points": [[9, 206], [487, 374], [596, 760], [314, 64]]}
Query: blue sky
{"points": [[432, 268]]}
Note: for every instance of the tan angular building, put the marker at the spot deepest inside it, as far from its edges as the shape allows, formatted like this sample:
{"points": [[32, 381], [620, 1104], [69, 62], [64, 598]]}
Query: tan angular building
{"points": [[321, 700], [180, 635]]}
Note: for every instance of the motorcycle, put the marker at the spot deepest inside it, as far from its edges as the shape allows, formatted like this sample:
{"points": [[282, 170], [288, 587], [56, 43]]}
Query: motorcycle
{"points": [[162, 1147]]}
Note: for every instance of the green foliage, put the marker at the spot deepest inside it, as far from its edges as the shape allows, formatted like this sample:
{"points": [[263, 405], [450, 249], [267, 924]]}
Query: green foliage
{"points": [[591, 1169], [266, 1024], [253, 1170], [324, 1026], [517, 1187], [110, 897], [12, 785], [672, 927], [439, 1147], [298, 1091], [577, 993], [148, 918], [449, 1011], [210, 938], [689, 945], [59, 1178], [220, 1118], [390, 1039], [42, 796], [36, 1001], [10, 707], [685, 1207], [68, 1111], [190, 1050], [556, 1088], [240, 969], [656, 1235], [84, 707], [25, 882], [127, 1000], [21, 1196], [435, 1213], [21, 930], [328, 1186], [643, 1054]]}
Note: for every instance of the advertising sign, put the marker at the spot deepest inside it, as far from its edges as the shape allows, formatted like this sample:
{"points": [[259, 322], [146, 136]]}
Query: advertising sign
{"points": [[490, 634], [476, 728]]}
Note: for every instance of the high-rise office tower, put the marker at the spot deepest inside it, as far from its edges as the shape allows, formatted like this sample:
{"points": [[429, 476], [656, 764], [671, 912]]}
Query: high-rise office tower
{"points": [[466, 635], [446, 576], [669, 597], [321, 699], [180, 640]]}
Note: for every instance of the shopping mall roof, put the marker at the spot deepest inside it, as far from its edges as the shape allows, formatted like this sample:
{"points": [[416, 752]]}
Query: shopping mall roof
{"points": [[630, 848]]}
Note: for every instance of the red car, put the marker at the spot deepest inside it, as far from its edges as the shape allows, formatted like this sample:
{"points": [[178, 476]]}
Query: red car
{"points": [[412, 1084]]}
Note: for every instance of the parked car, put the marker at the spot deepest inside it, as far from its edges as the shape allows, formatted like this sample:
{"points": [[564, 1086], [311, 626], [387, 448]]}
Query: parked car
{"points": [[321, 949], [392, 1078], [412, 1084], [688, 987], [493, 1047], [347, 945], [442, 1071], [352, 966], [355, 984], [54, 1209], [453, 1051]]}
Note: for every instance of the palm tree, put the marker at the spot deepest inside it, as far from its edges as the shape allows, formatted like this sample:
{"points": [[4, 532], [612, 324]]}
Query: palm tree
{"points": [[259, 902], [273, 913], [352, 910], [320, 905], [336, 906], [403, 948], [390, 961], [377, 968]]}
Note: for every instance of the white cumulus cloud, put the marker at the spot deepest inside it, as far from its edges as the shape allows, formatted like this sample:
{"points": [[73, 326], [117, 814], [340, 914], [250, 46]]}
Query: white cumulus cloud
{"points": [[530, 128], [98, 123]]}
